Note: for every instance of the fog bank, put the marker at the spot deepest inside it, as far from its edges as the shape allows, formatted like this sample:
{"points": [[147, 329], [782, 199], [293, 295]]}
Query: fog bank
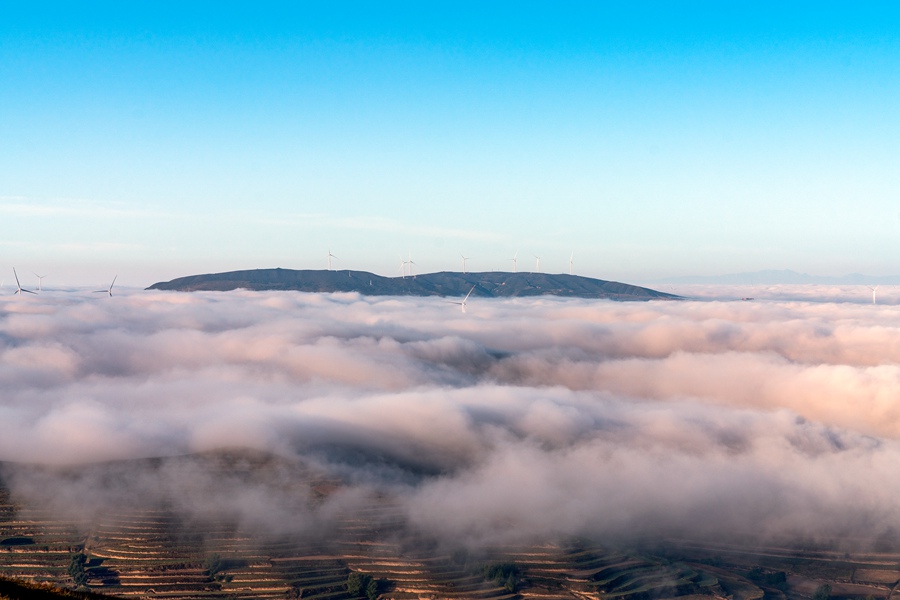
{"points": [[520, 420]]}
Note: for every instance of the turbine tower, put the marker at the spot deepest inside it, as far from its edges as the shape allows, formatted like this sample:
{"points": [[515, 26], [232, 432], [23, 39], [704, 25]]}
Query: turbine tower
{"points": [[402, 267], [464, 259], [19, 288], [40, 281], [571, 262], [330, 256], [537, 263], [873, 292], [462, 304], [409, 261], [108, 290], [515, 262]]}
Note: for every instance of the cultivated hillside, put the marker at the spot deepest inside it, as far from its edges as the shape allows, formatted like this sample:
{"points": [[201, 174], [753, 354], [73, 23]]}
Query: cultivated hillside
{"points": [[145, 549]]}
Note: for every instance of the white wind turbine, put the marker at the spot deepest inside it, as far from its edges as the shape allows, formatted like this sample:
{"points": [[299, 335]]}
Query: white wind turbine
{"points": [[40, 281], [464, 259], [873, 292], [402, 267], [538, 263], [409, 261], [571, 262], [462, 304], [515, 262], [109, 290], [19, 288], [330, 256]]}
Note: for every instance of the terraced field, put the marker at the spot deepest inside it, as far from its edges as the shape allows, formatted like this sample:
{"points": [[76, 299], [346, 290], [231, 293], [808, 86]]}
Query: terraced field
{"points": [[157, 552], [33, 544]]}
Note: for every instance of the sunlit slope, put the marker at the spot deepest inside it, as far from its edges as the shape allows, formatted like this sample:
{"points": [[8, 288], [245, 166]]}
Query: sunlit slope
{"points": [[492, 284]]}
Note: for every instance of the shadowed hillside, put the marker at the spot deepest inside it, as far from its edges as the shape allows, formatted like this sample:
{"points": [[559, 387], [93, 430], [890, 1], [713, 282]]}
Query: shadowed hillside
{"points": [[21, 590], [446, 283]]}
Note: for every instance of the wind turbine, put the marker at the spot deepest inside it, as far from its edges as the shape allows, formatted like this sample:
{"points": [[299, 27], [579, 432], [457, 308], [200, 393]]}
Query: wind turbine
{"points": [[571, 262], [409, 261], [464, 259], [402, 267], [330, 256], [19, 288], [109, 290], [873, 292], [515, 262], [40, 281], [538, 264], [462, 304]]}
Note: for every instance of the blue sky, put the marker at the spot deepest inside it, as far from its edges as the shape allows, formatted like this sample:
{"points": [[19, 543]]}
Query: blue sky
{"points": [[651, 139]]}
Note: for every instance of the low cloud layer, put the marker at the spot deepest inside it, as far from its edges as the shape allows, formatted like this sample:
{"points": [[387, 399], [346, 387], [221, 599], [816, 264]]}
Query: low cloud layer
{"points": [[521, 420]]}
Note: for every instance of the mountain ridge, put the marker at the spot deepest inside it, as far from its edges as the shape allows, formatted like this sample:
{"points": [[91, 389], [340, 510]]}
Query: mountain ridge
{"points": [[497, 284], [781, 276]]}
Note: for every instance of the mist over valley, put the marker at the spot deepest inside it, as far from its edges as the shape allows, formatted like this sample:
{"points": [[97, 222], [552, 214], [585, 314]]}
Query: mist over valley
{"points": [[282, 416]]}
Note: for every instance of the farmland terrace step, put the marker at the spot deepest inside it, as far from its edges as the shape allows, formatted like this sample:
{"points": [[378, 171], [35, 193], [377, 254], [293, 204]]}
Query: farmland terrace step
{"points": [[32, 551], [328, 596], [180, 569], [393, 567], [313, 571], [267, 587], [544, 594], [491, 592], [130, 581], [590, 563], [159, 575], [38, 530], [172, 585], [131, 558], [461, 583], [127, 550], [318, 579], [314, 558], [619, 578], [612, 572], [172, 592], [263, 576], [129, 537]]}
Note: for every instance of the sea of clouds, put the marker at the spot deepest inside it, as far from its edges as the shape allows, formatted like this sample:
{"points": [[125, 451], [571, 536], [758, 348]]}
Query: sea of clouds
{"points": [[521, 420]]}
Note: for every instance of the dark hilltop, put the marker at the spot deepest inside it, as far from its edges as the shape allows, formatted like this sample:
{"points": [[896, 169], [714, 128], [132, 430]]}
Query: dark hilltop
{"points": [[492, 284]]}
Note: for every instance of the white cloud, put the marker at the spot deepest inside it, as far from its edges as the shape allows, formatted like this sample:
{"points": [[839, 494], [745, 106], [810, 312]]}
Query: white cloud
{"points": [[522, 419]]}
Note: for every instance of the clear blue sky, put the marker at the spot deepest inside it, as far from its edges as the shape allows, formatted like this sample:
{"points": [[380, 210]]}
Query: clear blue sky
{"points": [[155, 140]]}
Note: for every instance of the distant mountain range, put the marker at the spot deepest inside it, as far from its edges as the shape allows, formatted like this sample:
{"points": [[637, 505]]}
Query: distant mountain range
{"points": [[773, 277], [446, 283]]}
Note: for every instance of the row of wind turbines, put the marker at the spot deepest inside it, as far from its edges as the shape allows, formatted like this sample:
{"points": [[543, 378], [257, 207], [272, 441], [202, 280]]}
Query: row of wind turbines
{"points": [[20, 290], [406, 264], [514, 259], [537, 263]]}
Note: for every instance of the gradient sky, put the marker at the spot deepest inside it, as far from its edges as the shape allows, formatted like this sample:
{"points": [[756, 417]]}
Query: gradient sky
{"points": [[155, 140]]}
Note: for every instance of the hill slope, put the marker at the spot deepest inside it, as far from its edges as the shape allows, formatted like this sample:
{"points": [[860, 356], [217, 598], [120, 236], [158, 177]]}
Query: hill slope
{"points": [[446, 283]]}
